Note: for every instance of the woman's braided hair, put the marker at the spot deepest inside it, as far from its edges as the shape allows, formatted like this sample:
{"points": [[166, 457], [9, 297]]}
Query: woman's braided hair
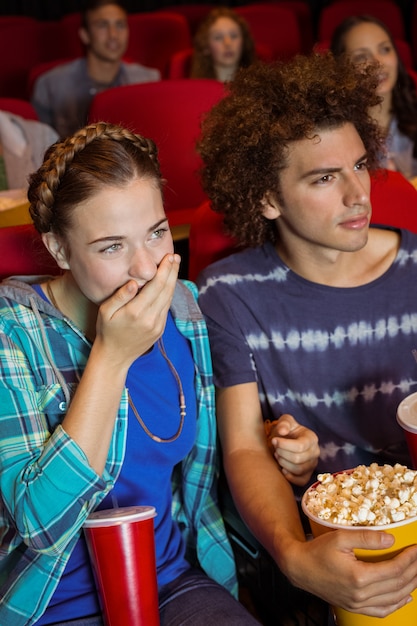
{"points": [[79, 166]]}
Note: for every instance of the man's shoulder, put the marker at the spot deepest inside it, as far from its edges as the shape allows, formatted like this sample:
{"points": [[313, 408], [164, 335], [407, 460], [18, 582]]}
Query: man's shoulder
{"points": [[241, 269], [136, 73], [258, 257], [62, 72]]}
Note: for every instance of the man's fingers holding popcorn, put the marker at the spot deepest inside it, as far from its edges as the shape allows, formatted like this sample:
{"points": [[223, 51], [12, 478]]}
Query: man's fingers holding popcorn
{"points": [[295, 448]]}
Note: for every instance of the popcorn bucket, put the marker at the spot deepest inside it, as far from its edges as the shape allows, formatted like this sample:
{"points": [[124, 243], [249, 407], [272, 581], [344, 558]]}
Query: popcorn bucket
{"points": [[405, 533]]}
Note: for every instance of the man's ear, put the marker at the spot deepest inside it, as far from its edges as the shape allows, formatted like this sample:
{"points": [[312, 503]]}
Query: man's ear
{"points": [[270, 207], [57, 249], [84, 36]]}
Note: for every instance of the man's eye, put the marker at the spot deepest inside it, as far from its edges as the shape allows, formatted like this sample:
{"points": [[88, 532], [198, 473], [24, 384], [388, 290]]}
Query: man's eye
{"points": [[324, 179], [363, 165]]}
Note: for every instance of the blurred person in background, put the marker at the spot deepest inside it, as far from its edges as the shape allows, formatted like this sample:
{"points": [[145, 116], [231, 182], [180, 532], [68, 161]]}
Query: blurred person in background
{"points": [[62, 96], [365, 39], [223, 44], [22, 146]]}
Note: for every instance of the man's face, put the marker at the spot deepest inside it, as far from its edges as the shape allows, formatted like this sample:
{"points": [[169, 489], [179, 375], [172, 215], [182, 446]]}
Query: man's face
{"points": [[325, 191], [107, 34]]}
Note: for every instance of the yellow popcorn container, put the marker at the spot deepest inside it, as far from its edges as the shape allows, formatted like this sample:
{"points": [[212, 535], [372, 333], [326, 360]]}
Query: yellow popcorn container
{"points": [[405, 533]]}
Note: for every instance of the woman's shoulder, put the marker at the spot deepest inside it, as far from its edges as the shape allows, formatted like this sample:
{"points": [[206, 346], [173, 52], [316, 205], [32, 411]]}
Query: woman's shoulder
{"points": [[184, 304]]}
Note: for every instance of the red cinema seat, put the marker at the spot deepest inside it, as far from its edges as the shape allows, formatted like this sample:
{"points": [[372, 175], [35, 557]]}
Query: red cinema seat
{"points": [[169, 112], [386, 10], [23, 253]]}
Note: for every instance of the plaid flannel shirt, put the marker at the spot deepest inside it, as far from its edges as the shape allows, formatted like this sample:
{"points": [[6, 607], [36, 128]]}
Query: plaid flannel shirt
{"points": [[47, 488]]}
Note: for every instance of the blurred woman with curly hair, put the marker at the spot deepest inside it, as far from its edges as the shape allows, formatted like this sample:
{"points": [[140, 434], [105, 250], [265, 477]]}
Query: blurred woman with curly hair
{"points": [[222, 45]]}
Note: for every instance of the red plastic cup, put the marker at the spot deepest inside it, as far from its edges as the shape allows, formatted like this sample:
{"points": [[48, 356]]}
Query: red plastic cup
{"points": [[121, 544], [407, 419]]}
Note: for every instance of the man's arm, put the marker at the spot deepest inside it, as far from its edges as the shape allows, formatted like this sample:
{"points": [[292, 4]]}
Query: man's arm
{"points": [[326, 566]]}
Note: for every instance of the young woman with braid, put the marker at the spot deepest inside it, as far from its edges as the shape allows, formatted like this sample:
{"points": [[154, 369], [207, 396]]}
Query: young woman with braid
{"points": [[106, 394]]}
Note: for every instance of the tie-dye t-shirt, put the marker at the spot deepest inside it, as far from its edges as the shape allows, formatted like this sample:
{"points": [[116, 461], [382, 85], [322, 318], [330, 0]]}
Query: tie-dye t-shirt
{"points": [[339, 359]]}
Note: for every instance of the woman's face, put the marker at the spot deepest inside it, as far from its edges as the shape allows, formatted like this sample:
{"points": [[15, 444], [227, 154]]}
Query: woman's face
{"points": [[225, 43], [368, 42], [117, 235]]}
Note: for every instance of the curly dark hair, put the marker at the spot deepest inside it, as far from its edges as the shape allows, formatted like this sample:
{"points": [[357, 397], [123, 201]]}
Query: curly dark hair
{"points": [[202, 63], [245, 137], [404, 94]]}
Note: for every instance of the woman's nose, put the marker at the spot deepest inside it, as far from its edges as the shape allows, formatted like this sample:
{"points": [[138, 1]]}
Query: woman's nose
{"points": [[142, 265]]}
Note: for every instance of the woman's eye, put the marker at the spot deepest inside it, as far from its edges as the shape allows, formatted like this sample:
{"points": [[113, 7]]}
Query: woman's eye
{"points": [[113, 248], [158, 234], [361, 58]]}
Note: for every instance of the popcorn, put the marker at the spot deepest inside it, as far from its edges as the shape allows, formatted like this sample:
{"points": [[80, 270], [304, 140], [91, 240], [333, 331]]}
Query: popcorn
{"points": [[374, 495]]}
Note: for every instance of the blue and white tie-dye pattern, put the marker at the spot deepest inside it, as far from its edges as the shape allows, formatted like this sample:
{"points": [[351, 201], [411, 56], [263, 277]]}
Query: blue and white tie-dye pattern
{"points": [[338, 359]]}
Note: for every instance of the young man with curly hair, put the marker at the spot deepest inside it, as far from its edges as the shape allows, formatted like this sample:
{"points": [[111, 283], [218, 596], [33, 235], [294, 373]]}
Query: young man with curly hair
{"points": [[316, 319]]}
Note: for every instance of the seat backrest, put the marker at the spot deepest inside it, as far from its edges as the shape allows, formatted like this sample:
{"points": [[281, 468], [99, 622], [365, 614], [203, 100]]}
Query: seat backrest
{"points": [[386, 10], [20, 48], [69, 25], [18, 106], [154, 37], [28, 42], [393, 199], [275, 27], [169, 112], [180, 64], [303, 13], [23, 253], [207, 241], [194, 13]]}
